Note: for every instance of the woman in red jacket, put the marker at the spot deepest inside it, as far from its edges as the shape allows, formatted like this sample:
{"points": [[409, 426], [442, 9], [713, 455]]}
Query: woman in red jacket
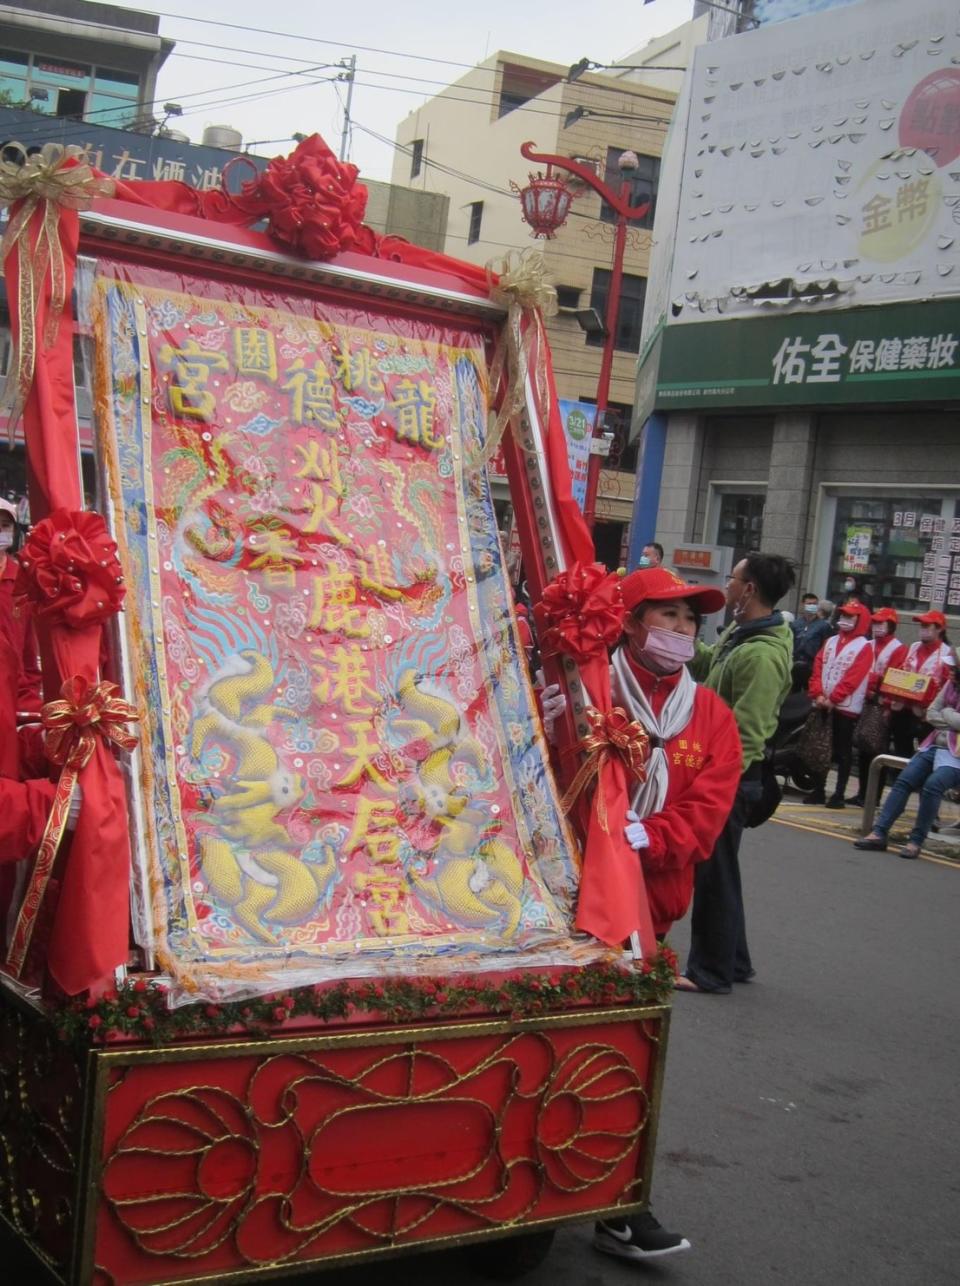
{"points": [[841, 674], [695, 756]]}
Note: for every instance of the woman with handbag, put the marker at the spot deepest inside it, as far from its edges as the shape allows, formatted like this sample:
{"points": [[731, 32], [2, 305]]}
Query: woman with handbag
{"points": [[932, 771], [872, 733], [841, 672]]}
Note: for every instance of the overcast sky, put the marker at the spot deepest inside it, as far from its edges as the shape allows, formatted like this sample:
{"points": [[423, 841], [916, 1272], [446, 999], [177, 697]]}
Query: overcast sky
{"points": [[215, 65]]}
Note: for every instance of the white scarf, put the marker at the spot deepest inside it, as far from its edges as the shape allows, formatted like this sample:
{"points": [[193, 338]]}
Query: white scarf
{"points": [[648, 797]]}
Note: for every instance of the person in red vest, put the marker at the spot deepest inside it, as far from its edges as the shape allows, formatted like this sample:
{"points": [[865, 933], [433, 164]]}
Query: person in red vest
{"points": [[888, 653], [841, 674], [931, 655]]}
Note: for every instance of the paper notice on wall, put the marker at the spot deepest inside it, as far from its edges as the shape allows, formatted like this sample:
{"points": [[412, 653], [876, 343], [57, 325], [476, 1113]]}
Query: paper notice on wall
{"points": [[578, 427], [857, 545]]}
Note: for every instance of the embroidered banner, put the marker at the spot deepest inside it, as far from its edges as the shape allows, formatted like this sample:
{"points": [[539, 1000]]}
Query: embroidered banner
{"points": [[342, 772]]}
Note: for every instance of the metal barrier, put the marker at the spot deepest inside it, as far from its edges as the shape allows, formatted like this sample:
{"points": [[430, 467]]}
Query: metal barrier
{"points": [[872, 791]]}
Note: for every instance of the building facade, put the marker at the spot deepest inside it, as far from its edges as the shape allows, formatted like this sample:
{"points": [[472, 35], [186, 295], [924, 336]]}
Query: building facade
{"points": [[465, 143], [800, 382]]}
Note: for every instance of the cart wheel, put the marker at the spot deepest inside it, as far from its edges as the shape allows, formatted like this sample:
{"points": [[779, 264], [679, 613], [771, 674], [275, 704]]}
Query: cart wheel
{"points": [[803, 780], [513, 1257]]}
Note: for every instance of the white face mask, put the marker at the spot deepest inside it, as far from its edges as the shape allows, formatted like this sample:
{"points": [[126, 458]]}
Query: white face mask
{"points": [[643, 561], [7, 535], [810, 609], [879, 631], [849, 586], [846, 623]]}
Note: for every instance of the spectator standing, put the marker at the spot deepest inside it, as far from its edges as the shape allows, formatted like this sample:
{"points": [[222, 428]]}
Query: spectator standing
{"points": [[888, 652], [750, 668], [854, 592], [933, 656], [650, 556], [841, 674], [810, 631]]}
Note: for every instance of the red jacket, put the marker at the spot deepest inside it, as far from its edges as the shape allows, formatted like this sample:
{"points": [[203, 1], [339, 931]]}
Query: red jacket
{"points": [[705, 763], [856, 672]]}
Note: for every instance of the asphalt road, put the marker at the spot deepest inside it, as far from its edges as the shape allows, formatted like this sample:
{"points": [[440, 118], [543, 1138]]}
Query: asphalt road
{"points": [[810, 1125], [809, 1130]]}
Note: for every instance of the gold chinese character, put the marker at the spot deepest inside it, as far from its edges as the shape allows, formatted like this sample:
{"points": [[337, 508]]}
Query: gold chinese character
{"points": [[313, 401], [375, 829], [387, 893], [363, 752], [255, 352], [415, 404], [191, 366], [347, 681], [335, 607]]}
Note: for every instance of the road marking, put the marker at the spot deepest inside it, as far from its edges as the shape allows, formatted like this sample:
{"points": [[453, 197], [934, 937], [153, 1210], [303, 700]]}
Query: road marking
{"points": [[819, 830]]}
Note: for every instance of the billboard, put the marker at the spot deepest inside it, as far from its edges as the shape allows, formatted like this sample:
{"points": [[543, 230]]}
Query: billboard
{"points": [[124, 154], [578, 427], [822, 165], [781, 10]]}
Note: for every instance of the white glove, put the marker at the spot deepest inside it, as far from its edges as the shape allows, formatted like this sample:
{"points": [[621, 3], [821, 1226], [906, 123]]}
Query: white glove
{"points": [[553, 702], [73, 813], [636, 832]]}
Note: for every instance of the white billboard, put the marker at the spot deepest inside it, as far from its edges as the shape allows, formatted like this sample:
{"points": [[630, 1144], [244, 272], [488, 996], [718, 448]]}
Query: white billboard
{"points": [[822, 164]]}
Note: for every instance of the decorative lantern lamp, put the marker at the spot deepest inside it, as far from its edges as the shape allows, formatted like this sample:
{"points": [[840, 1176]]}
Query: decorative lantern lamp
{"points": [[545, 203]]}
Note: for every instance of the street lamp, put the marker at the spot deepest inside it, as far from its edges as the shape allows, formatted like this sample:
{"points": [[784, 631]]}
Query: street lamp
{"points": [[627, 163]]}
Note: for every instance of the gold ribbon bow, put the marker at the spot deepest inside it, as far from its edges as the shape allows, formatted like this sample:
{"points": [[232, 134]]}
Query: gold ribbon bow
{"points": [[610, 734], [41, 179], [522, 289], [84, 712]]}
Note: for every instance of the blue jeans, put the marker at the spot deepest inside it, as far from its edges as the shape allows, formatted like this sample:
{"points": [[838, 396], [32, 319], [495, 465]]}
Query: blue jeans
{"points": [[918, 775]]}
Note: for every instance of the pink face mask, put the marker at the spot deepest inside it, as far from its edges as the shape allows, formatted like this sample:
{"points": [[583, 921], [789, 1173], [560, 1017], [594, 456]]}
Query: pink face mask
{"points": [[667, 650]]}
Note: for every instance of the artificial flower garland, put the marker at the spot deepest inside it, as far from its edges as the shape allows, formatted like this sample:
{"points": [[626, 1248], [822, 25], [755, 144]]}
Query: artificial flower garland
{"points": [[138, 1009]]}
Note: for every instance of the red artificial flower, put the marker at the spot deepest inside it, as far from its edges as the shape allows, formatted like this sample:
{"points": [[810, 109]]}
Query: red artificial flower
{"points": [[280, 1014], [313, 202], [149, 1024], [288, 1002], [69, 570], [140, 985], [133, 1011], [583, 611], [94, 1021]]}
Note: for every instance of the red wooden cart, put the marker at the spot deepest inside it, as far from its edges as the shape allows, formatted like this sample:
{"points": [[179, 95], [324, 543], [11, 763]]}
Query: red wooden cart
{"points": [[417, 1051]]}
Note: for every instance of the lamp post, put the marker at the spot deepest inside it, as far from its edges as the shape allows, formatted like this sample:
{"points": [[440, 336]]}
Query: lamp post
{"points": [[546, 210]]}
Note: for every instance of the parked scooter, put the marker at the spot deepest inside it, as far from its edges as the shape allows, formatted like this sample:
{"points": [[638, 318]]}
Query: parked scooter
{"points": [[786, 762]]}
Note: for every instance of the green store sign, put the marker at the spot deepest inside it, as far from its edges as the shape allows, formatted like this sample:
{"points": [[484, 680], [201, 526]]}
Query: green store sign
{"points": [[896, 353]]}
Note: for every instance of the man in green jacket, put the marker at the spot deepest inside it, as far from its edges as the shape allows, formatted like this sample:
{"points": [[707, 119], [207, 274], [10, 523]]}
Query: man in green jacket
{"points": [[750, 667]]}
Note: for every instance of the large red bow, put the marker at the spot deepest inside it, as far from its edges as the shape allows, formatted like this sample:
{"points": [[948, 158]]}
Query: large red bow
{"points": [[84, 712]]}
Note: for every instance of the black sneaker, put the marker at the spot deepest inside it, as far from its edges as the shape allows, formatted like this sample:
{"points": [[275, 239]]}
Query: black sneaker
{"points": [[835, 801], [818, 797], [855, 801], [638, 1238]]}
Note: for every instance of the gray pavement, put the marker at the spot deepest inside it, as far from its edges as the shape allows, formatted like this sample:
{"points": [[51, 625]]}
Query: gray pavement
{"points": [[809, 1132]]}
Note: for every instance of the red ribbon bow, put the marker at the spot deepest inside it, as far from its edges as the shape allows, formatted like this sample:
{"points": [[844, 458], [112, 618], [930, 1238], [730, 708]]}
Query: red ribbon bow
{"points": [[84, 712], [610, 734]]}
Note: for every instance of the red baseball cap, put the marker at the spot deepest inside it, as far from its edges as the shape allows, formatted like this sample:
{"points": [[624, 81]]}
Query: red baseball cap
{"points": [[659, 584], [886, 614], [932, 618]]}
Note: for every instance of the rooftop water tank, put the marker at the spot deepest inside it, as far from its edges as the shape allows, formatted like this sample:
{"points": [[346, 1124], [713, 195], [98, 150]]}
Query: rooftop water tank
{"points": [[224, 136]]}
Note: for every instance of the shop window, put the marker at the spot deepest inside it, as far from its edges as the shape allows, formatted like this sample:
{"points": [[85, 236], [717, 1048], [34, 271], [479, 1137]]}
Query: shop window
{"points": [[644, 182], [476, 219], [630, 313], [741, 522], [902, 549]]}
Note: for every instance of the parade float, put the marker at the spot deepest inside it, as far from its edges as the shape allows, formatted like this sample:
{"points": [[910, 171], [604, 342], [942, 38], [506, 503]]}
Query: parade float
{"points": [[329, 967]]}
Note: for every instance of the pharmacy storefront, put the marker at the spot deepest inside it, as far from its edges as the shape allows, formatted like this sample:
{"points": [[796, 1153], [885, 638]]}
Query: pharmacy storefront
{"points": [[834, 438]]}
